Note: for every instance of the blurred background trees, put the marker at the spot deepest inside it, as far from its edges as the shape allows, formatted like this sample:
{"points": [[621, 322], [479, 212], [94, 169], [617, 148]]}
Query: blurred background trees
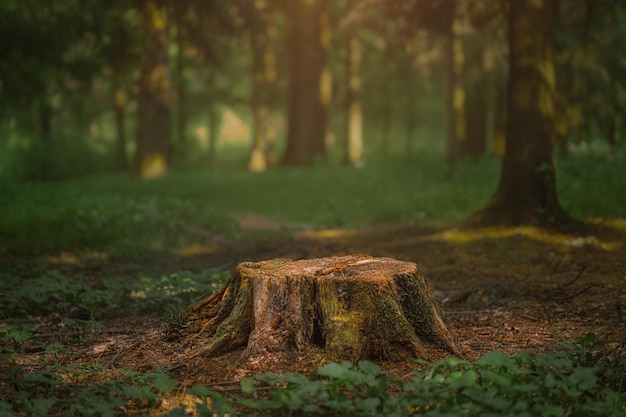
{"points": [[144, 86]]}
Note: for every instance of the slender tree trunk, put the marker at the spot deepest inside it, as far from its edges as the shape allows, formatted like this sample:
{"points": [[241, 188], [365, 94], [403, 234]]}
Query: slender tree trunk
{"points": [[271, 78], [526, 193], [258, 161], [307, 117], [119, 104], [152, 156], [181, 96], [213, 133], [264, 75], [499, 120], [424, 43], [388, 89], [454, 99], [353, 104], [476, 108], [408, 76], [388, 102]]}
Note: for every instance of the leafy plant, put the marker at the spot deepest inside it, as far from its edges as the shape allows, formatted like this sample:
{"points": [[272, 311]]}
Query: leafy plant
{"points": [[40, 393], [559, 384], [15, 335]]}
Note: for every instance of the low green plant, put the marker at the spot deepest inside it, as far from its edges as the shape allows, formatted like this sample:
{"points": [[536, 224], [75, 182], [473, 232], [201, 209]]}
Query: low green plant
{"points": [[564, 383], [46, 392], [55, 292], [12, 336]]}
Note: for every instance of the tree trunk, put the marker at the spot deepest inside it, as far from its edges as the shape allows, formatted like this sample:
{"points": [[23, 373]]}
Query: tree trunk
{"points": [[387, 104], [526, 193], [119, 104], [154, 100], [354, 122], [319, 310], [454, 99], [213, 134], [264, 78], [307, 115], [408, 77], [499, 120], [476, 100], [181, 95]]}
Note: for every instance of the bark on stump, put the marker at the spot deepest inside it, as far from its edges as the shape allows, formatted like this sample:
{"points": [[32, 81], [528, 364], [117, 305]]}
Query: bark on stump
{"points": [[330, 309]]}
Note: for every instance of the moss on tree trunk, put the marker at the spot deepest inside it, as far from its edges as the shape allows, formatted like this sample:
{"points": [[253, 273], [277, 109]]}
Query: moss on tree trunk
{"points": [[330, 309]]}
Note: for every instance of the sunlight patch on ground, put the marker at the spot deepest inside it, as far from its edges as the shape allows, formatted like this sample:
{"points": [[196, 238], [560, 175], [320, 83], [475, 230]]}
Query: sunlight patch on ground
{"points": [[540, 235], [176, 400], [327, 234], [69, 258], [467, 236], [615, 223]]}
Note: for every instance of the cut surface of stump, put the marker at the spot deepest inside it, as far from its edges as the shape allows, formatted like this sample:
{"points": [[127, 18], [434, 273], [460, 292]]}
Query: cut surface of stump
{"points": [[331, 309]]}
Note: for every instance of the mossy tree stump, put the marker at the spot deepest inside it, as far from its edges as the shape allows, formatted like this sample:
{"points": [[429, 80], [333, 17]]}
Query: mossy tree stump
{"points": [[337, 308]]}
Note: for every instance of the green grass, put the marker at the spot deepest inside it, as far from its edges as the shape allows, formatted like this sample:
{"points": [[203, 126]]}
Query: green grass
{"points": [[120, 211]]}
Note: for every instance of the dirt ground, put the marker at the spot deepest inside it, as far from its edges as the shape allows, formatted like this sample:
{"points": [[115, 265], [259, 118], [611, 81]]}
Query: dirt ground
{"points": [[504, 289]]}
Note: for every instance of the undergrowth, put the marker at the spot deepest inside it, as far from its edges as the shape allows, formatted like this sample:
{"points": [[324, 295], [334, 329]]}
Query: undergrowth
{"points": [[564, 383], [72, 297]]}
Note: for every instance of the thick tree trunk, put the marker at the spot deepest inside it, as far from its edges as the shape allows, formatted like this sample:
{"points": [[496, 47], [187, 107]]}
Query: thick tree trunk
{"points": [[152, 156], [319, 310], [526, 193], [307, 115]]}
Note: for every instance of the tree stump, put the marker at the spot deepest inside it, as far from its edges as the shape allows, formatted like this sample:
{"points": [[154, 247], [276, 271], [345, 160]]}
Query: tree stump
{"points": [[331, 309]]}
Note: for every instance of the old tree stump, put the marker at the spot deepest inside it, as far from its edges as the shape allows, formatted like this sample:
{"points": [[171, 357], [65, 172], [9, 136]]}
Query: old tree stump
{"points": [[328, 309]]}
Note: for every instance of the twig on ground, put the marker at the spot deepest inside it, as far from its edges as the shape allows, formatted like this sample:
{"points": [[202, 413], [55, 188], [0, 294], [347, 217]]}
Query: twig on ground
{"points": [[574, 280], [569, 297]]}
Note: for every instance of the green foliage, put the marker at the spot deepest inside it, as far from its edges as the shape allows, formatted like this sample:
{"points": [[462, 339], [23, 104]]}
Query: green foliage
{"points": [[587, 185], [558, 384], [45, 393], [56, 292], [563, 383]]}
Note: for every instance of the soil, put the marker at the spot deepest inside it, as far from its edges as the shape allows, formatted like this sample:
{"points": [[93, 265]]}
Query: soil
{"points": [[504, 289]]}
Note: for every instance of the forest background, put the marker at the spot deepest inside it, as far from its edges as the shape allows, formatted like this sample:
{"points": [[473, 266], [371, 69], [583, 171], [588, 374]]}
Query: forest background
{"points": [[142, 138]]}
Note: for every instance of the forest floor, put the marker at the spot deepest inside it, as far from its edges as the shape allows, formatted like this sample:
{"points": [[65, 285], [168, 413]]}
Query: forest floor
{"points": [[500, 289]]}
